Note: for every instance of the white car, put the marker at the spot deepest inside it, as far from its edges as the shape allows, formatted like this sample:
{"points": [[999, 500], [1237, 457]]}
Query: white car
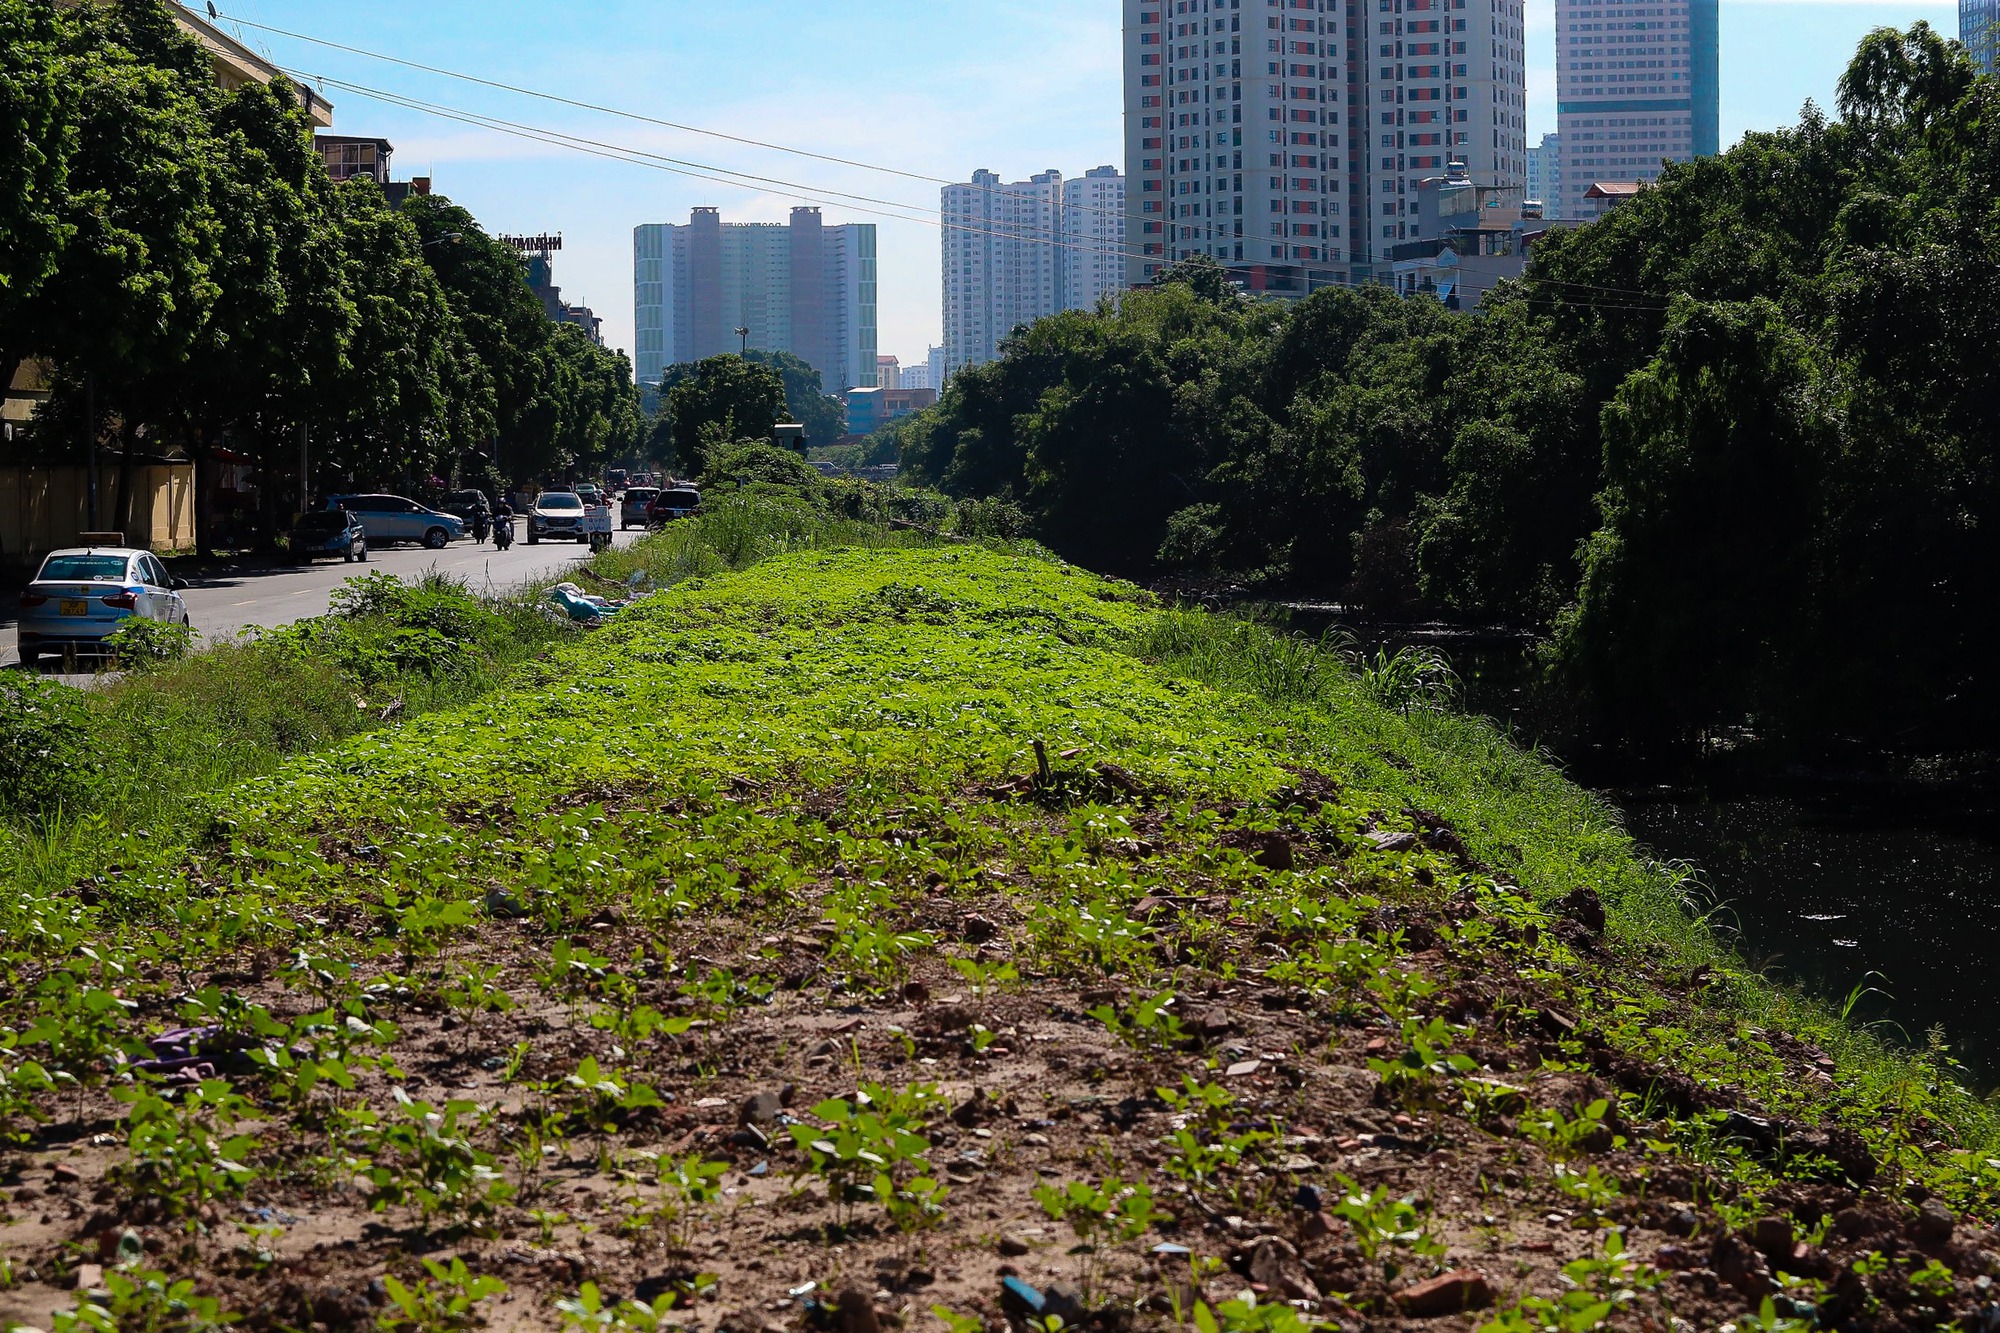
{"points": [[80, 596], [557, 516]]}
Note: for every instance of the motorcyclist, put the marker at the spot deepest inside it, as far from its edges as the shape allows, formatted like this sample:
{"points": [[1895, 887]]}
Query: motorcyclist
{"points": [[503, 526]]}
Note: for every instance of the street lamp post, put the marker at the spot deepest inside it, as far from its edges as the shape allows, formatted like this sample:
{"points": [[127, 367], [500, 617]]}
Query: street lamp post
{"points": [[743, 348]]}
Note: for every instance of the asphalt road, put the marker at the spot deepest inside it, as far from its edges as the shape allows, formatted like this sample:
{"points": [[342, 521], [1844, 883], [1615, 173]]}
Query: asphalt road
{"points": [[224, 600]]}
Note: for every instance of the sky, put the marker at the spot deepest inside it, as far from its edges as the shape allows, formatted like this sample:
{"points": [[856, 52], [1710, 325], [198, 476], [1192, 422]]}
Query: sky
{"points": [[933, 88]]}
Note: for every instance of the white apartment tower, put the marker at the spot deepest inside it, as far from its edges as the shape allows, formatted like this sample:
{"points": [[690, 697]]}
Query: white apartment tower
{"points": [[1013, 254], [1093, 237], [1294, 132], [1545, 173]]}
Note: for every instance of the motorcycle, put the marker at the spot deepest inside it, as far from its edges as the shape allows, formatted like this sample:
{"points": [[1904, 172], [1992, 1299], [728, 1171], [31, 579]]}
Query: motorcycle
{"points": [[503, 533]]}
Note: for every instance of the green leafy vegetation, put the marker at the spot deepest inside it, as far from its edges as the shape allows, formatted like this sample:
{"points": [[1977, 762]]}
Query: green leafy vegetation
{"points": [[1696, 445], [897, 806], [180, 261]]}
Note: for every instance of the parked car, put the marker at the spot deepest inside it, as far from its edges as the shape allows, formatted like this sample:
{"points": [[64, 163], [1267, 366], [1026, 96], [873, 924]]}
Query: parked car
{"points": [[81, 595], [473, 509], [636, 509], [676, 502], [558, 516], [391, 518], [329, 532]]}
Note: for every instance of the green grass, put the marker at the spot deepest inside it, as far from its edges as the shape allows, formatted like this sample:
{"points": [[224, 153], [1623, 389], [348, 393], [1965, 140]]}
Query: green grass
{"points": [[753, 738], [1524, 818]]}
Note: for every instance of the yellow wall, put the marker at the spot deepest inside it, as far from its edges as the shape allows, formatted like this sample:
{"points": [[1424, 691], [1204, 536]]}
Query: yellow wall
{"points": [[43, 508]]}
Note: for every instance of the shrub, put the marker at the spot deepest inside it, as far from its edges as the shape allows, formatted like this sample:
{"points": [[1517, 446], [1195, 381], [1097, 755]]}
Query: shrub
{"points": [[140, 643], [47, 760]]}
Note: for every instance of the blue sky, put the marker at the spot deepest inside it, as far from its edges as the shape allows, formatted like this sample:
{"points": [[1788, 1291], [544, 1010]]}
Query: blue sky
{"points": [[937, 88]]}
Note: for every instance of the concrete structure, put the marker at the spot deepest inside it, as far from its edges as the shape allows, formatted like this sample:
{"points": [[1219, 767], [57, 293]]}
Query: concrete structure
{"points": [[44, 508], [888, 373], [584, 318], [1603, 196], [868, 410], [1545, 173], [916, 377], [348, 157], [799, 287], [1288, 138], [1469, 237], [1016, 253], [937, 375], [236, 64], [1979, 29], [1636, 87], [1093, 238]]}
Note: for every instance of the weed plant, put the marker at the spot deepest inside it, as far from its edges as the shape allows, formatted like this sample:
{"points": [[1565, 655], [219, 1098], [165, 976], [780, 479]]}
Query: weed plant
{"points": [[915, 684]]}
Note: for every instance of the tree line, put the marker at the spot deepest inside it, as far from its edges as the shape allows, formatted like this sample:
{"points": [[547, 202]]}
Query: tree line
{"points": [[1730, 448], [177, 256]]}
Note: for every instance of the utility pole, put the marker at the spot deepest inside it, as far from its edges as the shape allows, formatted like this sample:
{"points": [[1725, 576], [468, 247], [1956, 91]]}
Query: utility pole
{"points": [[90, 450], [305, 467]]}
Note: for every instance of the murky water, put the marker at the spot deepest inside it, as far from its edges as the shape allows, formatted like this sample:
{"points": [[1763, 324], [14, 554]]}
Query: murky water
{"points": [[1833, 884], [1836, 894]]}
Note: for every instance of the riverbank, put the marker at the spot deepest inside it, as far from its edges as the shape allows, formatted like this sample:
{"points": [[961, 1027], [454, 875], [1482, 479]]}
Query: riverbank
{"points": [[1138, 929]]}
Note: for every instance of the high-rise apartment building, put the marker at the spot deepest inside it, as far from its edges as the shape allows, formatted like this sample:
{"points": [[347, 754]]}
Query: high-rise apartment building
{"points": [[1545, 173], [1093, 238], [1979, 29], [1294, 132], [1636, 86], [1016, 253], [798, 287]]}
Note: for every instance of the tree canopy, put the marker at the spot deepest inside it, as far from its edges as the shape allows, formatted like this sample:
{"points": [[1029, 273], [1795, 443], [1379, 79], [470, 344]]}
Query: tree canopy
{"points": [[715, 403], [177, 255], [1731, 447]]}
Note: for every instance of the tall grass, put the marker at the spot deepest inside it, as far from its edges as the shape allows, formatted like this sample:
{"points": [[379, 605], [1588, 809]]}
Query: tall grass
{"points": [[1381, 727], [159, 740]]}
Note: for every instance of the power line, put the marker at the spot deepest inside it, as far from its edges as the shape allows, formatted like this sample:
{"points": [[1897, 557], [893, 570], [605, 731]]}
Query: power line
{"points": [[1212, 230], [716, 175], [633, 115]]}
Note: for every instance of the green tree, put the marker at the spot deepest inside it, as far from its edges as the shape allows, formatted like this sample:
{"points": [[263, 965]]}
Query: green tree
{"points": [[718, 402], [806, 399], [507, 329], [409, 392], [1694, 586]]}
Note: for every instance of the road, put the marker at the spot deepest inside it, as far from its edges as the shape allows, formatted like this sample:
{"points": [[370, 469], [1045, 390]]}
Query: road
{"points": [[226, 600]]}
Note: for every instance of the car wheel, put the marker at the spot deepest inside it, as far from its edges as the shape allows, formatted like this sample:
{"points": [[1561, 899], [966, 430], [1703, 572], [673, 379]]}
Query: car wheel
{"points": [[362, 555], [31, 658], [534, 539], [437, 539]]}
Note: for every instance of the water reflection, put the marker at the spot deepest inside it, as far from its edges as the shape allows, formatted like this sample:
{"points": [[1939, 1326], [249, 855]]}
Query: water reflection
{"points": [[1827, 879], [1827, 892]]}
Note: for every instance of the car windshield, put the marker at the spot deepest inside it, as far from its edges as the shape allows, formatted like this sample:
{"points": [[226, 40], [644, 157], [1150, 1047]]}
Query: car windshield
{"points": [[85, 569], [561, 501], [467, 498], [640, 493], [327, 521], [682, 497]]}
